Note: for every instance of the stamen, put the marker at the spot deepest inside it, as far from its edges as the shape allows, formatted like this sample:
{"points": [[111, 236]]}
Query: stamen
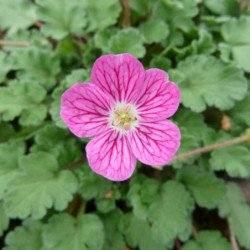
{"points": [[116, 111], [117, 121], [127, 108], [126, 126], [132, 117]]}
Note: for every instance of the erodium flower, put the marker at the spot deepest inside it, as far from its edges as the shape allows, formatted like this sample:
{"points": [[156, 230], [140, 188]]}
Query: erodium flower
{"points": [[125, 108]]}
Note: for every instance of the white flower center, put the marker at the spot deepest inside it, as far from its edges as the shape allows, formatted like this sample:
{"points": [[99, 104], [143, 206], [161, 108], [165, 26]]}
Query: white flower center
{"points": [[123, 117]]}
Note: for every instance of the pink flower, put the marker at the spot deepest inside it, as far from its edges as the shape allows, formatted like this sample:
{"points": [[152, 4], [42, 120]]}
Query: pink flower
{"points": [[125, 109]]}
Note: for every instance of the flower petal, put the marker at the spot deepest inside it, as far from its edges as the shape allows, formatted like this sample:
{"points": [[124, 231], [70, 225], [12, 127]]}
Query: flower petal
{"points": [[121, 76], [109, 155], [155, 143], [85, 109], [159, 98]]}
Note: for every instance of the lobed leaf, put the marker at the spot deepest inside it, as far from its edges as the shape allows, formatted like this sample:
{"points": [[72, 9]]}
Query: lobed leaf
{"points": [[38, 187]]}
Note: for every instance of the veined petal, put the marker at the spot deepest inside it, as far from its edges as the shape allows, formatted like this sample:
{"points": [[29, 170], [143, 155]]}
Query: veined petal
{"points": [[109, 155], [121, 76], [155, 143], [159, 98], [85, 109]]}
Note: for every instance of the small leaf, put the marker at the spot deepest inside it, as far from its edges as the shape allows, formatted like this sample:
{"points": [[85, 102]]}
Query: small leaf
{"points": [[92, 185], [223, 7], [241, 111], [102, 37], [208, 240], [36, 65], [237, 210], [6, 130], [113, 238], [154, 30], [102, 14], [61, 17], [236, 32], [16, 14], [65, 232], [205, 187], [160, 63], [141, 193], [39, 187], [4, 219], [170, 212], [10, 152], [210, 82], [31, 230], [4, 69], [138, 233], [59, 143], [234, 159], [22, 99], [127, 41], [142, 7]]}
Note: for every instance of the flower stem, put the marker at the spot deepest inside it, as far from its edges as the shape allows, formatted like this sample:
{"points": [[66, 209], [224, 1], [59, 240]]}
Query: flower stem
{"points": [[74, 164], [127, 14], [14, 43], [232, 238], [209, 148], [81, 208]]}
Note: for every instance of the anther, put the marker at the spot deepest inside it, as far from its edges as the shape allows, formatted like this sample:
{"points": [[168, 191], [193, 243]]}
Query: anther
{"points": [[126, 126], [117, 121], [127, 108], [116, 111], [132, 117]]}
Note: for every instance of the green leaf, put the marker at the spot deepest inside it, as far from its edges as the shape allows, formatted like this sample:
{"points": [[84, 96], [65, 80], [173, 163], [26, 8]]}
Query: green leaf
{"points": [[127, 41], [160, 63], [6, 130], [205, 187], [59, 143], [223, 7], [154, 30], [178, 15], [142, 7], [24, 100], [237, 210], [210, 82], [36, 65], [10, 152], [113, 238], [141, 193], [28, 236], [38, 187], [208, 240], [205, 44], [101, 14], [138, 233], [16, 14], [170, 212], [65, 232], [241, 111], [236, 32], [4, 69], [4, 219], [234, 159], [102, 37], [61, 17], [92, 185]]}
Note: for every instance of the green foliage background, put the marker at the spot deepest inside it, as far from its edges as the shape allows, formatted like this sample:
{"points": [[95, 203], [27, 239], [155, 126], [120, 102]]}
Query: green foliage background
{"points": [[49, 197]]}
